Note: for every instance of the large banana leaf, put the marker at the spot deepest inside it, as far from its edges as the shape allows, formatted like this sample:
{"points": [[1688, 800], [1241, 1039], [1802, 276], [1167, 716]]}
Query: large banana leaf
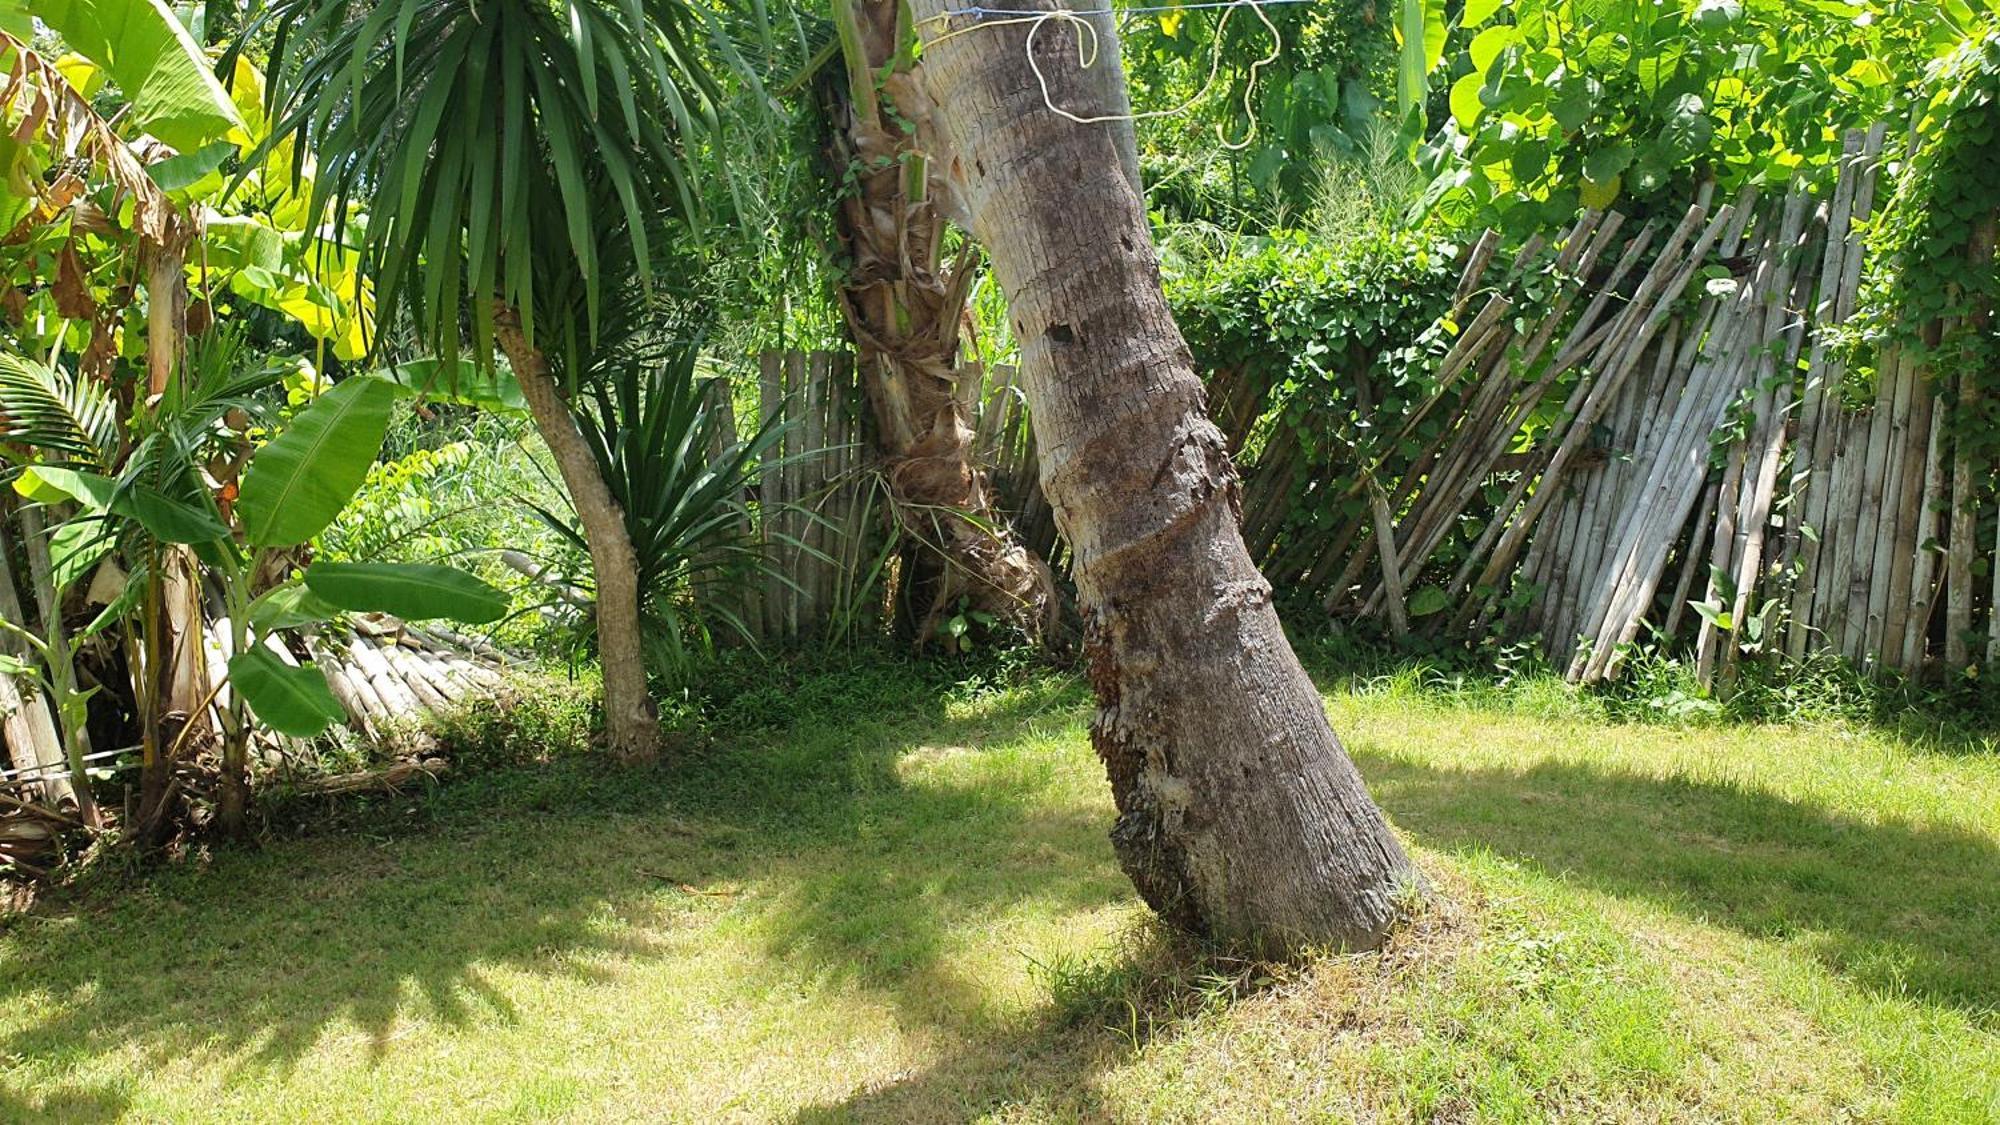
{"points": [[162, 72], [1420, 39], [288, 607], [293, 701], [412, 591], [301, 480], [164, 518]]}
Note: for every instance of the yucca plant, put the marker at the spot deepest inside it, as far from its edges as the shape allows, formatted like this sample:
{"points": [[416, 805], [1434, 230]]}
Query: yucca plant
{"points": [[492, 146], [678, 473]]}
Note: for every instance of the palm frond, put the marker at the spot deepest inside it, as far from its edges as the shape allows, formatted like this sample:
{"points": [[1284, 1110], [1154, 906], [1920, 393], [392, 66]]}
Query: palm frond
{"points": [[65, 416]]}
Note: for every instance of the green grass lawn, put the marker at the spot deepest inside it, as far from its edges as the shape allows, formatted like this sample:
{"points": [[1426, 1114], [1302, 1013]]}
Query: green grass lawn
{"points": [[901, 905]]}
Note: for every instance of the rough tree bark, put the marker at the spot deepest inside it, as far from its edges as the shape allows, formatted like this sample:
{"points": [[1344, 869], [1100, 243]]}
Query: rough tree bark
{"points": [[631, 722], [904, 312], [171, 678], [1240, 816]]}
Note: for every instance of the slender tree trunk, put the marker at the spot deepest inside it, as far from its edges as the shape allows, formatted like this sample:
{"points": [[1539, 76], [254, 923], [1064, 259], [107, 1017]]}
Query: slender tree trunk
{"points": [[1240, 815], [166, 308], [904, 311], [631, 723], [172, 679]]}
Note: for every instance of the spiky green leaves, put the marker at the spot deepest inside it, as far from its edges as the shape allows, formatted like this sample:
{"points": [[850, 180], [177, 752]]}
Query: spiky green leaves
{"points": [[491, 143]]}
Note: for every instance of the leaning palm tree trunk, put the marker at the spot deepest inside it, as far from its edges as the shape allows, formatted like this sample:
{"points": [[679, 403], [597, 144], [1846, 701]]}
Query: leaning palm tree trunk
{"points": [[631, 723], [904, 310], [1239, 813]]}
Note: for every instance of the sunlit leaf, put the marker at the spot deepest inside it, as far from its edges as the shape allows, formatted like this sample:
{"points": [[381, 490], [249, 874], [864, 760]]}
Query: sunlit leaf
{"points": [[160, 70], [299, 482], [290, 700], [412, 591]]}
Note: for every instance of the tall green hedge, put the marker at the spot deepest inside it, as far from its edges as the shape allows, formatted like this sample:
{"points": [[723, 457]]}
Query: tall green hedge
{"points": [[1308, 323]]}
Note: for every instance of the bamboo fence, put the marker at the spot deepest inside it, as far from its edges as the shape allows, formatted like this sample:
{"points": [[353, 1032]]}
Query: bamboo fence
{"points": [[1639, 432], [819, 511], [1666, 451]]}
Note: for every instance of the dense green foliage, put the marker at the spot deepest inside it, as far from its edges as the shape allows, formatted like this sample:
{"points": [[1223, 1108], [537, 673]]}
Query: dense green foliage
{"points": [[1557, 104], [866, 883], [1306, 324], [1935, 284], [661, 438], [1312, 106], [458, 129]]}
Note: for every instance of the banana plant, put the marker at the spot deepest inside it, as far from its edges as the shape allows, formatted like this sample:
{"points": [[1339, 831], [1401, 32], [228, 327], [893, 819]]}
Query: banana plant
{"points": [[291, 488]]}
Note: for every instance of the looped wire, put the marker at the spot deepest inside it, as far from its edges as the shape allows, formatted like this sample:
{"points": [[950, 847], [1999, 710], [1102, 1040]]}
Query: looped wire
{"points": [[1087, 52]]}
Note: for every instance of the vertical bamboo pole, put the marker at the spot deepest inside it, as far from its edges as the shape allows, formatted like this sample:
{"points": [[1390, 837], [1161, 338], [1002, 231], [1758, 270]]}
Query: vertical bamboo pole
{"points": [[769, 615], [1906, 517], [1895, 455], [1819, 427], [811, 571], [1923, 579], [29, 728], [796, 404], [1868, 510], [1959, 548], [1993, 605]]}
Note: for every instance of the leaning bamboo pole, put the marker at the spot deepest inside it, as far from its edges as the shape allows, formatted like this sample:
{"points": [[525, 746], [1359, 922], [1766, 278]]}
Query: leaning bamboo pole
{"points": [[1773, 405], [1654, 520], [1647, 312], [1531, 399], [1821, 421], [1385, 546], [1715, 319], [1690, 564]]}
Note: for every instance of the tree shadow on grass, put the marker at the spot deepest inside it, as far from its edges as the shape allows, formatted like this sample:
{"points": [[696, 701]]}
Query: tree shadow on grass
{"points": [[1898, 908], [1104, 1010], [846, 866], [70, 1104]]}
